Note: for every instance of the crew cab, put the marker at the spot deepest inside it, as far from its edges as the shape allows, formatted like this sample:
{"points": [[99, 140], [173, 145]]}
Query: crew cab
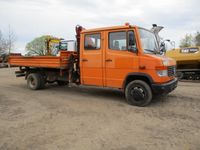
{"points": [[125, 57]]}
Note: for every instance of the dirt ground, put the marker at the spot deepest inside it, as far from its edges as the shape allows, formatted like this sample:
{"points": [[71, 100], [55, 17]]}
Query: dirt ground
{"points": [[85, 118]]}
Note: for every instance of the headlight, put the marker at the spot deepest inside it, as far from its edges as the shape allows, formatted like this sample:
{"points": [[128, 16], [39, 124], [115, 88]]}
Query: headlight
{"points": [[162, 73], [165, 62]]}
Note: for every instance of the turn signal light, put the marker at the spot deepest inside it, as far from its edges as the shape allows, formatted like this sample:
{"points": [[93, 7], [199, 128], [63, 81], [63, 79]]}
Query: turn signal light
{"points": [[127, 24]]}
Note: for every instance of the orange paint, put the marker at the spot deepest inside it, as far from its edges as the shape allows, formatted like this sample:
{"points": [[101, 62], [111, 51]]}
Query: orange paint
{"points": [[109, 68]]}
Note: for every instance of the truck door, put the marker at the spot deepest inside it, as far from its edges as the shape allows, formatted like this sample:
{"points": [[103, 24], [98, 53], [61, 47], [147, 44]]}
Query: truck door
{"points": [[119, 61], [91, 59]]}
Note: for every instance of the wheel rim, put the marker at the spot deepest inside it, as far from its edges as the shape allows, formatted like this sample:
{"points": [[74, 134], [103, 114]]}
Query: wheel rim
{"points": [[180, 75], [32, 82], [190, 78], [197, 77], [138, 93]]}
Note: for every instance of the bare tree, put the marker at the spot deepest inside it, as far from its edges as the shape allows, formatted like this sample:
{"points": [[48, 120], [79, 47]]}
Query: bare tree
{"points": [[6, 44], [11, 38], [3, 44], [3, 48]]}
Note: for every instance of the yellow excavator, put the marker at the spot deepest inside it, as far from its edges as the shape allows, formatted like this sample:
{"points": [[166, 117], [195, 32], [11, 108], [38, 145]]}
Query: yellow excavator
{"points": [[188, 62], [53, 45]]}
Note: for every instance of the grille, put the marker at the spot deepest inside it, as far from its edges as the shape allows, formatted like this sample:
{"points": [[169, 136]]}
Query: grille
{"points": [[171, 71]]}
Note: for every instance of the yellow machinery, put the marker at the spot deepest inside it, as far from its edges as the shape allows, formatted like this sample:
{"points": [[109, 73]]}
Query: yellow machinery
{"points": [[188, 62], [52, 45]]}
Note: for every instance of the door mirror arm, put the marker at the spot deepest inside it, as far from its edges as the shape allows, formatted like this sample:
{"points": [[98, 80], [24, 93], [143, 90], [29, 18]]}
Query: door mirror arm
{"points": [[163, 47], [132, 49]]}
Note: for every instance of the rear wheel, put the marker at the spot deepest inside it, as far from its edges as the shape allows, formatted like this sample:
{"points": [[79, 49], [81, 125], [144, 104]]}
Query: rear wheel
{"points": [[34, 81], [138, 93]]}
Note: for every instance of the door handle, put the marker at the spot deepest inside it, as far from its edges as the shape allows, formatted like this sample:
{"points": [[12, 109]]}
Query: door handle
{"points": [[142, 67], [108, 60], [84, 60]]}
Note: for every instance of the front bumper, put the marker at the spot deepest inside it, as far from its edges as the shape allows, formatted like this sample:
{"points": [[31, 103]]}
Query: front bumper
{"points": [[164, 88]]}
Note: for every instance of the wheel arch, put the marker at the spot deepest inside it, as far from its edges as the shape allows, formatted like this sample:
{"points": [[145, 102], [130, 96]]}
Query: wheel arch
{"points": [[28, 71], [137, 76]]}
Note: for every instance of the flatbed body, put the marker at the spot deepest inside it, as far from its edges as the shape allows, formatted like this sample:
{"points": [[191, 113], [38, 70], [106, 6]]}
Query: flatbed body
{"points": [[56, 62]]}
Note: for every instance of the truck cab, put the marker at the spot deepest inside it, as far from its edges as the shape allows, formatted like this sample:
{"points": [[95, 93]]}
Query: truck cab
{"points": [[126, 57]]}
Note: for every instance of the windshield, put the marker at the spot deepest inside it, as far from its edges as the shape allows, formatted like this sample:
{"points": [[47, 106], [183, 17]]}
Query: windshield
{"points": [[148, 41]]}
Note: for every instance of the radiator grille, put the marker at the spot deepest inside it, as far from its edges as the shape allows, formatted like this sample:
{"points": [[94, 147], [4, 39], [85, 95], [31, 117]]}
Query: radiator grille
{"points": [[171, 71]]}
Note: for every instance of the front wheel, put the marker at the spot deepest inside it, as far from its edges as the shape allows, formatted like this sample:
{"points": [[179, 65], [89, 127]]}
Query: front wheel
{"points": [[138, 93]]}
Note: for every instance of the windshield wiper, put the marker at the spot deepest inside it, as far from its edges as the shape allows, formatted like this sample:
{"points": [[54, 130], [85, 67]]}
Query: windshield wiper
{"points": [[150, 50]]}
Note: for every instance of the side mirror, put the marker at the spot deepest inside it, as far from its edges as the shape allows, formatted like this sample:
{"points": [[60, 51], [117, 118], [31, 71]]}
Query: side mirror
{"points": [[173, 44], [162, 47], [131, 42]]}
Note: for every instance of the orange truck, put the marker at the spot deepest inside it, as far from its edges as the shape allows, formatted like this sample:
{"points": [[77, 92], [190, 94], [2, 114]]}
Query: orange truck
{"points": [[124, 57]]}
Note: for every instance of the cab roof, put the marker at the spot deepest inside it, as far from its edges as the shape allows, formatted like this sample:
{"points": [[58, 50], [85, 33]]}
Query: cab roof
{"points": [[108, 28]]}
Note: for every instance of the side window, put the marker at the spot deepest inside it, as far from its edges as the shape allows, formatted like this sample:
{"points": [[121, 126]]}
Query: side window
{"points": [[92, 41], [117, 40]]}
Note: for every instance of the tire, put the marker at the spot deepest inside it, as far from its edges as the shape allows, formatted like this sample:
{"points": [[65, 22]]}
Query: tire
{"points": [[62, 83], [34, 81], [180, 75], [138, 93]]}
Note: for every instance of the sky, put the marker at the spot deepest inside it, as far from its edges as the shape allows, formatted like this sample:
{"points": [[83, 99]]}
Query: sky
{"points": [[33, 18]]}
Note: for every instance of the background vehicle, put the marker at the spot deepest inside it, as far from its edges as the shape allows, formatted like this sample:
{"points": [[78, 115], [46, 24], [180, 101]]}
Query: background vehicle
{"points": [[54, 45], [188, 62], [124, 57], [3, 60]]}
